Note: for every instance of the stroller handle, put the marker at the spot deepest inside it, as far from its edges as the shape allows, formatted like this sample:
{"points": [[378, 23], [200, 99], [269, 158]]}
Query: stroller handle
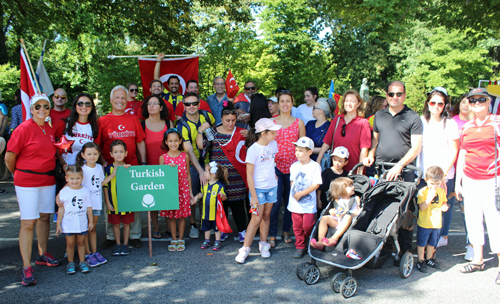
{"points": [[408, 167]]}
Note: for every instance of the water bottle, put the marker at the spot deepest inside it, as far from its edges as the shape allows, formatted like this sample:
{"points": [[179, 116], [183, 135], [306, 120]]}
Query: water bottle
{"points": [[209, 134]]}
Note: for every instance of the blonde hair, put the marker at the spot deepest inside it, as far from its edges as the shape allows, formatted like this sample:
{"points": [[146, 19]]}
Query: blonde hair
{"points": [[361, 108], [434, 173], [338, 187]]}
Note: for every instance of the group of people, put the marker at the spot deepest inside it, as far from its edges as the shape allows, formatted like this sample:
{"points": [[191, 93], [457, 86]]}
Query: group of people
{"points": [[253, 153]]}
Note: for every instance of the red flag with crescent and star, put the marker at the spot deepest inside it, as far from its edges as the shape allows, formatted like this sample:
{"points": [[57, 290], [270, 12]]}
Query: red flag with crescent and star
{"points": [[236, 152], [232, 87]]}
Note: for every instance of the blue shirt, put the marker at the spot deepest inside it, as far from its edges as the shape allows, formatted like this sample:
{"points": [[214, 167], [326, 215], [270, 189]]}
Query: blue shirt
{"points": [[17, 117], [316, 134], [216, 107]]}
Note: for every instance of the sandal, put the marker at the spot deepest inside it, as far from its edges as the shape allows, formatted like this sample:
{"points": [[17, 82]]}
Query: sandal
{"points": [[157, 235], [272, 242], [181, 246], [472, 267], [173, 246], [286, 238], [314, 244], [326, 242], [497, 280]]}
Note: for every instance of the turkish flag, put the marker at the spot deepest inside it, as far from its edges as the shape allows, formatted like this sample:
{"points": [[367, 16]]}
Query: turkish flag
{"points": [[220, 218], [232, 87], [184, 68], [28, 88], [236, 151]]}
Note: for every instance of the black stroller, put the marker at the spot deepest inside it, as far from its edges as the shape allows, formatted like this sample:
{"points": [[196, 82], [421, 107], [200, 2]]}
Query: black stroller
{"points": [[385, 208]]}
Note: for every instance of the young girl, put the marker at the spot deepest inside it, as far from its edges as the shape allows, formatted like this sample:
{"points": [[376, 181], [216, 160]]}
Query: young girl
{"points": [[262, 183], [75, 217], [341, 214], [214, 174], [172, 143]]}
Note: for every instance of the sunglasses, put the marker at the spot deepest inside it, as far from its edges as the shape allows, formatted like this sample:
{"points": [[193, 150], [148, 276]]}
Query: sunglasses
{"points": [[439, 104], [284, 91], [60, 96], [194, 104], [227, 112], [250, 88], [342, 132], [134, 90], [399, 94], [38, 107], [480, 100], [87, 104]]}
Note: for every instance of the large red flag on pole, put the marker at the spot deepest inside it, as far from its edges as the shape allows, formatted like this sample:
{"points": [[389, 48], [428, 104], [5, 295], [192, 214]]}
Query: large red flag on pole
{"points": [[28, 88], [232, 87], [184, 68]]}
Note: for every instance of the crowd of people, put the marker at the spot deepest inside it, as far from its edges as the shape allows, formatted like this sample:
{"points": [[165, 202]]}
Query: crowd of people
{"points": [[254, 153]]}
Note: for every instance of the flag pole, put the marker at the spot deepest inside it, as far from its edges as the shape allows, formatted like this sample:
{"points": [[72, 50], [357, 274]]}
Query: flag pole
{"points": [[31, 67], [153, 56]]}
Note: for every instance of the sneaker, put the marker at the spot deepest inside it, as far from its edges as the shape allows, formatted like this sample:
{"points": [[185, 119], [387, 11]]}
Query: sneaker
{"points": [[469, 255], [71, 268], [442, 242], [135, 243], [223, 236], [299, 253], [205, 244], [243, 253], [432, 263], [193, 232], [241, 236], [100, 259], [91, 260], [117, 250], [217, 246], [65, 255], [421, 266], [108, 244], [124, 250], [28, 276], [46, 259], [84, 267], [264, 249], [55, 218]]}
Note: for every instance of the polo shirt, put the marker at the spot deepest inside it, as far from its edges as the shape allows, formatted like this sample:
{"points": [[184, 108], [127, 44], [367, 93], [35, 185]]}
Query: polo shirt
{"points": [[395, 133], [216, 107], [190, 134]]}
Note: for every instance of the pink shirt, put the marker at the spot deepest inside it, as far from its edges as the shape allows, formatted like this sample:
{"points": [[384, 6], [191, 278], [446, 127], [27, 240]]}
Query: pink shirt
{"points": [[153, 142]]}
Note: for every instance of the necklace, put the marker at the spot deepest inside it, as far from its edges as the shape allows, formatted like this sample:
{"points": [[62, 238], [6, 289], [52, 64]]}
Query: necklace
{"points": [[43, 130]]}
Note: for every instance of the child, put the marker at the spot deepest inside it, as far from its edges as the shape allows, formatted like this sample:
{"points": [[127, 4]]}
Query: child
{"points": [[214, 174], [339, 160], [346, 206], [432, 202], [118, 153], [305, 178], [262, 184], [172, 143], [75, 218]]}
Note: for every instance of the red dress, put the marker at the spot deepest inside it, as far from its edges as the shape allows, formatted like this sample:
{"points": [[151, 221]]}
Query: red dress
{"points": [[285, 138], [184, 199]]}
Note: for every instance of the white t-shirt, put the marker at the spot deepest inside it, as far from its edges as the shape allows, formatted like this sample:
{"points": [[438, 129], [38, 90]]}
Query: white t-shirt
{"points": [[436, 145], [302, 177], [92, 180], [305, 113], [76, 203], [83, 134], [262, 157]]}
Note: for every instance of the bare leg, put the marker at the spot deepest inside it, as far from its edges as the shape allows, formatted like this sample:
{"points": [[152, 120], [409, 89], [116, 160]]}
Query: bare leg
{"points": [[478, 255], [126, 233], [325, 223], [420, 252], [42, 232], [154, 219], [429, 253], [266, 219], [26, 240], [70, 248], [116, 231], [173, 229], [182, 227], [207, 235], [92, 237], [217, 235], [342, 228], [80, 244], [253, 226]]}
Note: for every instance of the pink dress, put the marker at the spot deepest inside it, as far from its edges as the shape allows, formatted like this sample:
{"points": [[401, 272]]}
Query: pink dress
{"points": [[286, 149], [184, 200]]}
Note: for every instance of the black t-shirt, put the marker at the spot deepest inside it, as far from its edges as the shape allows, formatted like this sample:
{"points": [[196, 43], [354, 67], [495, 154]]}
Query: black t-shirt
{"points": [[328, 176], [395, 133]]}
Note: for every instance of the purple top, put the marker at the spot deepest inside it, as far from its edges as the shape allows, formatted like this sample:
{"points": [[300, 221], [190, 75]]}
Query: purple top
{"points": [[460, 122]]}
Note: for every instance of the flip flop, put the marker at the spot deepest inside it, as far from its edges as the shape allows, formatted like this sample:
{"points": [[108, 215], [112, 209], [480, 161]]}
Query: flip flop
{"points": [[286, 238], [156, 235], [272, 242], [316, 245], [326, 242], [472, 267]]}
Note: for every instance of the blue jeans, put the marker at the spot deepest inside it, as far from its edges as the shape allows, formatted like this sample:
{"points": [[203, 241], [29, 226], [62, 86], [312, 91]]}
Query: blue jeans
{"points": [[283, 196], [446, 216]]}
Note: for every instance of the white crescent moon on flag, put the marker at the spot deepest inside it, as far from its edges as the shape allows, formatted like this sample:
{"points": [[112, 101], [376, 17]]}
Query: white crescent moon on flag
{"points": [[238, 150], [232, 79], [182, 82]]}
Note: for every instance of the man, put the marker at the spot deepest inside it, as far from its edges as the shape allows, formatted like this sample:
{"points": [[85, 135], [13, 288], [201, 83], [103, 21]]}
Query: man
{"points": [[242, 101], [192, 87], [59, 112], [126, 127], [397, 138], [155, 87], [216, 100], [174, 97], [192, 122]]}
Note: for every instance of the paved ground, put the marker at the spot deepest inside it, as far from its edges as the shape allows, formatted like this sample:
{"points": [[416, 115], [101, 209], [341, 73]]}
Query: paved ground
{"points": [[197, 275]]}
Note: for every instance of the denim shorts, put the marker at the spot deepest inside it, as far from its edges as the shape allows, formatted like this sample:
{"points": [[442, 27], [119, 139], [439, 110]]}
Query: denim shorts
{"points": [[71, 234], [266, 195], [427, 236], [96, 212]]}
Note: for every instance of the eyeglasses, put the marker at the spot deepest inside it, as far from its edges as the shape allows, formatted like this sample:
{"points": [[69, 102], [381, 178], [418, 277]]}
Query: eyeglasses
{"points": [[134, 90], [38, 107], [188, 104], [87, 104], [439, 104], [60, 96], [399, 94], [250, 88], [480, 100], [153, 104], [342, 132]]}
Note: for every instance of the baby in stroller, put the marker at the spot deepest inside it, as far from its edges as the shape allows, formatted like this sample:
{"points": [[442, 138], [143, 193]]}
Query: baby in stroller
{"points": [[345, 207]]}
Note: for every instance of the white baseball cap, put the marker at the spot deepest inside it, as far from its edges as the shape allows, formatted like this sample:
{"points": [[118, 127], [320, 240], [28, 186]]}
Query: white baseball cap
{"points": [[341, 152], [305, 142], [273, 99], [39, 96], [439, 89], [264, 124]]}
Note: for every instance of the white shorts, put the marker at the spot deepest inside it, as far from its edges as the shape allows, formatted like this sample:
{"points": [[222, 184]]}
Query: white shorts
{"points": [[35, 200]]}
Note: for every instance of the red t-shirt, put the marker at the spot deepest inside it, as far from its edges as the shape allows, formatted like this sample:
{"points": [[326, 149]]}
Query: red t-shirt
{"points": [[125, 127], [57, 116], [480, 148], [153, 142], [135, 107], [179, 110], [171, 112], [357, 136], [28, 141]]}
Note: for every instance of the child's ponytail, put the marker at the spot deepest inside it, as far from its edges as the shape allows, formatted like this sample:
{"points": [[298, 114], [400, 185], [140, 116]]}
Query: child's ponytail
{"points": [[221, 174], [252, 137]]}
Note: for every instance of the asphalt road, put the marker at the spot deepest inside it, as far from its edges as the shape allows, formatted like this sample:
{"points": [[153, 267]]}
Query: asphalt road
{"points": [[202, 276]]}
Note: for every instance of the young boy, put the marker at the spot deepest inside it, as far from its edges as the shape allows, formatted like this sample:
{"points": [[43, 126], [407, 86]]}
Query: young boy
{"points": [[339, 160], [118, 153], [305, 178], [432, 202]]}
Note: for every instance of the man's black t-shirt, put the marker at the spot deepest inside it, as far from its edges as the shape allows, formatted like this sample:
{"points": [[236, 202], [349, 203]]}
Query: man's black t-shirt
{"points": [[328, 176]]}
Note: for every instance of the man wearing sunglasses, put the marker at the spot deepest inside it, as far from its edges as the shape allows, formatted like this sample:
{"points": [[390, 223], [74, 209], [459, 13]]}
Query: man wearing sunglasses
{"points": [[216, 100], [59, 112], [242, 101]]}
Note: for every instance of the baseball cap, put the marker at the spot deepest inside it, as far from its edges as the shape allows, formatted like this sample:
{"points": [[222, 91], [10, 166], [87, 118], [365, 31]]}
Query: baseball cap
{"points": [[341, 152], [264, 124], [39, 96], [305, 142], [440, 89], [273, 99], [478, 91]]}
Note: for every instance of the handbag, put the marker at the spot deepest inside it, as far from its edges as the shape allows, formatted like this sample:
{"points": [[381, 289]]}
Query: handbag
{"points": [[327, 159], [497, 190]]}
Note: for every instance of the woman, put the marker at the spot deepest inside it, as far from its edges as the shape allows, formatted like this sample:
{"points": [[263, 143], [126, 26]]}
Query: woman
{"points": [[476, 178], [34, 182], [156, 123], [376, 104], [258, 109], [351, 131], [440, 147], [134, 106], [292, 129], [316, 129], [306, 110]]}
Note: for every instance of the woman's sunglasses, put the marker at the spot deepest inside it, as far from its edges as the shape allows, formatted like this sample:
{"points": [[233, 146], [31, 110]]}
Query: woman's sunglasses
{"points": [[38, 107], [342, 132], [134, 90], [439, 104], [87, 104], [480, 100]]}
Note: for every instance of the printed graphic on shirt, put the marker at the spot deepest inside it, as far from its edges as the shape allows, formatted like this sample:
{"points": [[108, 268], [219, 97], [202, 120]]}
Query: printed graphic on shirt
{"points": [[267, 155], [300, 184], [77, 202]]}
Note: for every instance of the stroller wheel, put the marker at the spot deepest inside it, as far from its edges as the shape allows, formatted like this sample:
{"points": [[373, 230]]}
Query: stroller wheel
{"points": [[337, 281], [311, 274], [406, 265], [348, 287], [301, 268]]}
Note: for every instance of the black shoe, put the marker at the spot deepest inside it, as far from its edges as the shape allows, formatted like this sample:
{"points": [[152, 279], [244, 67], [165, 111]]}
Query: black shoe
{"points": [[432, 263], [421, 266], [136, 243], [108, 244], [299, 253], [3, 191]]}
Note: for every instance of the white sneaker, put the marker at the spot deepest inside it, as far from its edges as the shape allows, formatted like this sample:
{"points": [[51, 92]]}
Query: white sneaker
{"points": [[242, 254], [442, 242], [469, 255], [193, 232], [264, 249]]}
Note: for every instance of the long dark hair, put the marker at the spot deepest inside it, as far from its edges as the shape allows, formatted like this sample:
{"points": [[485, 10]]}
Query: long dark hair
{"points": [[258, 109], [456, 108], [253, 137], [73, 117], [446, 109], [163, 112], [80, 161], [164, 145]]}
